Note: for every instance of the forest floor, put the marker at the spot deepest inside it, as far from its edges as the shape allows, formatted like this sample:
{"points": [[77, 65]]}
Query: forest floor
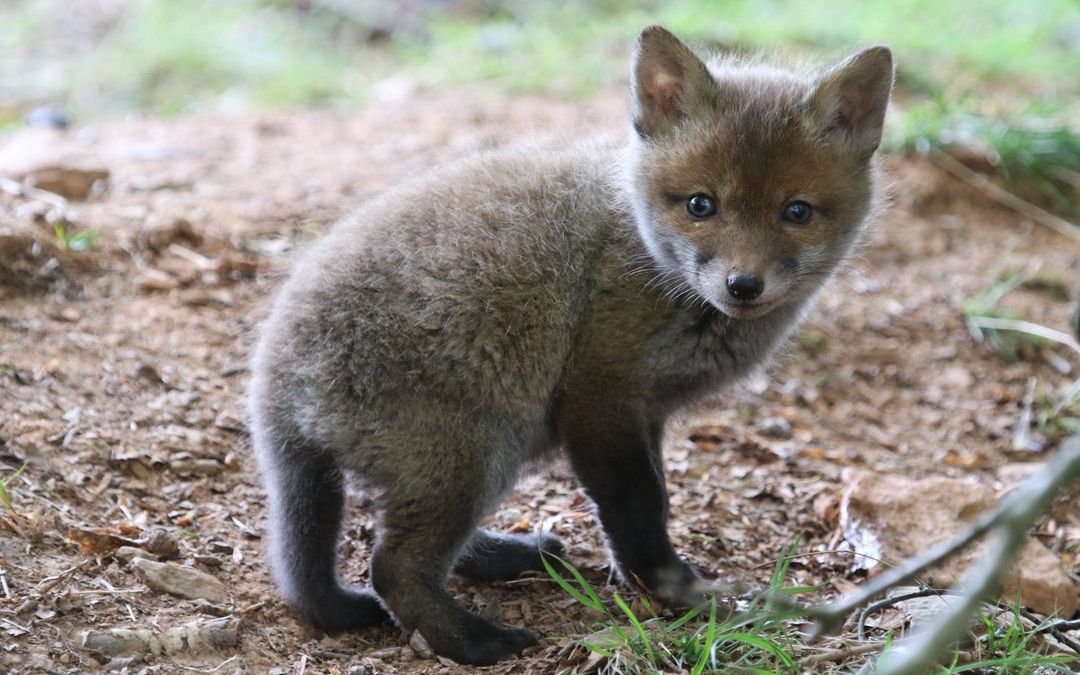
{"points": [[123, 368]]}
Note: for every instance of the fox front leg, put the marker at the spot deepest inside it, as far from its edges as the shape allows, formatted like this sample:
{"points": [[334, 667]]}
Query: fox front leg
{"points": [[617, 459]]}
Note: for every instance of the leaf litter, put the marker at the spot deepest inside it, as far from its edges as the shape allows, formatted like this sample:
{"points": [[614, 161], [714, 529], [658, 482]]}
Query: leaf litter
{"points": [[145, 333]]}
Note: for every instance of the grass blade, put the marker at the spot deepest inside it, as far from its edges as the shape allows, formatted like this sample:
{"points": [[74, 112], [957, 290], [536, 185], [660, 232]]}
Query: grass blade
{"points": [[710, 641], [637, 626]]}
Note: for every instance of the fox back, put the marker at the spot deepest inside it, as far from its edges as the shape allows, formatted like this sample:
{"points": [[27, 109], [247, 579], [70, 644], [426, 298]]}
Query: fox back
{"points": [[531, 301]]}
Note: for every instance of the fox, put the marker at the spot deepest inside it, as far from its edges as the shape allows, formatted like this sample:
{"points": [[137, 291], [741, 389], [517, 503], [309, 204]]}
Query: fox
{"points": [[536, 302]]}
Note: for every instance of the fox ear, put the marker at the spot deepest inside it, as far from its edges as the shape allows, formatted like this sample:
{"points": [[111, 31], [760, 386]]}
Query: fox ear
{"points": [[669, 82], [848, 103]]}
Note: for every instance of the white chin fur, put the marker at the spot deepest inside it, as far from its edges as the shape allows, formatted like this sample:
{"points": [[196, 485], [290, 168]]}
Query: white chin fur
{"points": [[742, 311]]}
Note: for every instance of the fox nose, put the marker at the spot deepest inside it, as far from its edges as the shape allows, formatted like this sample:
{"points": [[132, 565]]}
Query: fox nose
{"points": [[744, 286]]}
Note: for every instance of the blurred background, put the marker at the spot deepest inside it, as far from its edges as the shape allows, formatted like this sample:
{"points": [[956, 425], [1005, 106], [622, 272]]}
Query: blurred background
{"points": [[208, 139], [993, 80]]}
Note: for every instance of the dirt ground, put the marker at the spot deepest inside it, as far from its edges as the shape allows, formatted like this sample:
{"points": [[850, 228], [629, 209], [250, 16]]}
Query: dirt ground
{"points": [[122, 372]]}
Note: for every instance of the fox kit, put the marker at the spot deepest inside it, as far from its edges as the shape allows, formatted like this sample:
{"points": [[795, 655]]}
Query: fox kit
{"points": [[517, 304]]}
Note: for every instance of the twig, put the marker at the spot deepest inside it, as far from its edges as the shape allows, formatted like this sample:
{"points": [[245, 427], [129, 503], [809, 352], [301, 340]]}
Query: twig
{"points": [[1067, 625], [1058, 629], [810, 554], [193, 257], [832, 616], [1073, 392], [1022, 436], [49, 583], [211, 670], [302, 668], [842, 654], [17, 626], [1002, 196], [4, 584], [251, 608], [1011, 521], [997, 323], [893, 600]]}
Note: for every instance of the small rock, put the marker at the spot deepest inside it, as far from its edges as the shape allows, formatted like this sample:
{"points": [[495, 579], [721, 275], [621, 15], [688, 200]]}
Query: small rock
{"points": [[159, 231], [184, 582], [47, 117], [775, 427], [163, 545], [70, 182], [193, 638], [218, 546], [128, 553], [156, 280], [200, 467], [957, 377], [208, 560], [420, 646], [147, 372], [1041, 583], [29, 605]]}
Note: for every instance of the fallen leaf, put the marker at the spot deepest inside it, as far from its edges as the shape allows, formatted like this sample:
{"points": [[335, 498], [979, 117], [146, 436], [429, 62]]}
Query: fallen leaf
{"points": [[99, 541]]}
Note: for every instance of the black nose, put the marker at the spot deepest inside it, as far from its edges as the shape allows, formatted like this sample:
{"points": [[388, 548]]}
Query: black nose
{"points": [[744, 286]]}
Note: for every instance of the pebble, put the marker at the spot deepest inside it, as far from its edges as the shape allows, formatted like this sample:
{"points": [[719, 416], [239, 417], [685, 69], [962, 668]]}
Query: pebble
{"points": [[775, 427], [155, 280], [47, 117], [128, 553], [184, 582], [163, 545]]}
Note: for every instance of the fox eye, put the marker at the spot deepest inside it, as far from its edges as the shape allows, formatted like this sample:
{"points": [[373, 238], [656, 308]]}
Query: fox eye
{"points": [[798, 212], [700, 206]]}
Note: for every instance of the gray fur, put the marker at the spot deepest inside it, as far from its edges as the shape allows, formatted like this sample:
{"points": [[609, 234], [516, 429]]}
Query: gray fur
{"points": [[459, 327]]}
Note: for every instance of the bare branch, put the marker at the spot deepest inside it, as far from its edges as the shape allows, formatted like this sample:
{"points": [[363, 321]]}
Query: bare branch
{"points": [[1003, 196], [1027, 327], [1010, 521]]}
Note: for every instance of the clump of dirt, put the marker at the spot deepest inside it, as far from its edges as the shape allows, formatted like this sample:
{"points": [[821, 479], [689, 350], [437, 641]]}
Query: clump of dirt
{"points": [[122, 377]]}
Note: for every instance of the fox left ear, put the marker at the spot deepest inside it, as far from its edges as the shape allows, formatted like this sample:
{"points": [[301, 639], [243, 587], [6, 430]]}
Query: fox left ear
{"points": [[849, 100], [669, 83]]}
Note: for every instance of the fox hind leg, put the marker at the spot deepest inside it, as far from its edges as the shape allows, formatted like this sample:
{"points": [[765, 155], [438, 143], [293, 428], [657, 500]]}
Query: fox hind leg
{"points": [[420, 541], [306, 505], [500, 556]]}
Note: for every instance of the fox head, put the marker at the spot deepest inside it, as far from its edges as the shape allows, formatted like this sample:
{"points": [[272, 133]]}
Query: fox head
{"points": [[750, 184]]}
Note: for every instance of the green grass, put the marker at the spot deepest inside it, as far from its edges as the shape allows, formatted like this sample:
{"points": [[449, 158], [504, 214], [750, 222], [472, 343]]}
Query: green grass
{"points": [[238, 51], [172, 54], [994, 76], [766, 636], [86, 240], [1007, 645], [701, 641], [1036, 151], [577, 46], [5, 494]]}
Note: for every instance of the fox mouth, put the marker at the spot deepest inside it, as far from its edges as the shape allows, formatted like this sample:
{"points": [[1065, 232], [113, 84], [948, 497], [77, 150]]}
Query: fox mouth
{"points": [[739, 309]]}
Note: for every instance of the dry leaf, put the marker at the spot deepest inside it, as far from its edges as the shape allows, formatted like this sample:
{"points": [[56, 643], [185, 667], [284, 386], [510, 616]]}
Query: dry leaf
{"points": [[98, 541]]}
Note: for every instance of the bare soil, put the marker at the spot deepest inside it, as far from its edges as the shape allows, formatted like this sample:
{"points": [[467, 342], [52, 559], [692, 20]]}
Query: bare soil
{"points": [[122, 373]]}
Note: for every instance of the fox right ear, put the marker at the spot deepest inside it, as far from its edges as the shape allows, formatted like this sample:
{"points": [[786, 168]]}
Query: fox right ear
{"points": [[669, 82], [849, 100]]}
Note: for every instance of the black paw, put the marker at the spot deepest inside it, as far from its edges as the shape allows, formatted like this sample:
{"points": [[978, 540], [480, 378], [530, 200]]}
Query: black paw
{"points": [[350, 609], [476, 642], [494, 644], [495, 556], [679, 586]]}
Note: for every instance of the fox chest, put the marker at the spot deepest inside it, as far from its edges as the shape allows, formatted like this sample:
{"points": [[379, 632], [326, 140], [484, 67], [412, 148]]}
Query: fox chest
{"points": [[689, 358]]}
